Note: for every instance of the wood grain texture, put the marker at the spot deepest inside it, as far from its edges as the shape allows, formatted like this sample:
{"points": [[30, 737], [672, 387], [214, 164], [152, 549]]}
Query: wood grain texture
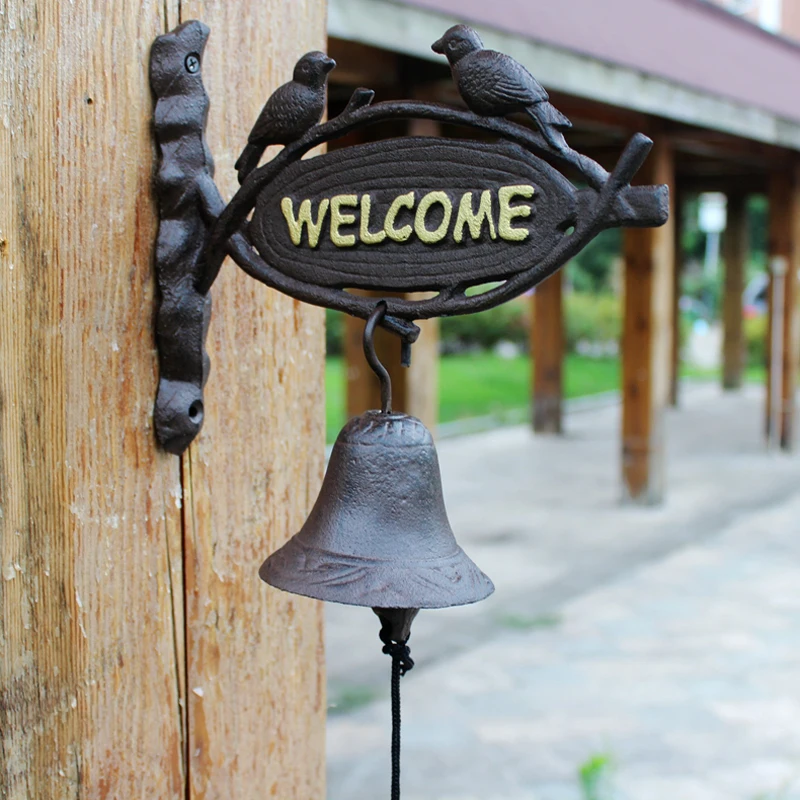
{"points": [[547, 350], [784, 241], [415, 390], [255, 673], [113, 684], [90, 628], [647, 342], [734, 253]]}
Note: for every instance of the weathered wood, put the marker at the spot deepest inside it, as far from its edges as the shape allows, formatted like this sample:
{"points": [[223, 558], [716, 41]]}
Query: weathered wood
{"points": [[255, 677], [96, 673], [784, 243], [647, 342], [734, 244], [90, 628], [547, 351]]}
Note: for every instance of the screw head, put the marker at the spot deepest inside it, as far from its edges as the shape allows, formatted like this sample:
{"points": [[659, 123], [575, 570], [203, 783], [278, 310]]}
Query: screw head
{"points": [[192, 63]]}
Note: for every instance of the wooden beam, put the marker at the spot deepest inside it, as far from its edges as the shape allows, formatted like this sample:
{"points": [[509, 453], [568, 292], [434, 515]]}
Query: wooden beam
{"points": [[734, 254], [677, 275], [547, 351], [647, 342], [415, 390], [784, 248], [141, 656]]}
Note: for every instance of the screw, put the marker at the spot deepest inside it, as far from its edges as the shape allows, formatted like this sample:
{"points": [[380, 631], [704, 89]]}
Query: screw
{"points": [[192, 63]]}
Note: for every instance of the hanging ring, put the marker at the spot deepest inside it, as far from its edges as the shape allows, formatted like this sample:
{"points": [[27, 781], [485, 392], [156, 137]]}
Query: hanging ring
{"points": [[372, 357]]}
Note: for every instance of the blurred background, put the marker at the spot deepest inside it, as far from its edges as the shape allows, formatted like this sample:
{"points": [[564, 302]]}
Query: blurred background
{"points": [[617, 447]]}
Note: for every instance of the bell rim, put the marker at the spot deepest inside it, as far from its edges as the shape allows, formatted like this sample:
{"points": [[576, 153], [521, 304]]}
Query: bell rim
{"points": [[431, 583]]}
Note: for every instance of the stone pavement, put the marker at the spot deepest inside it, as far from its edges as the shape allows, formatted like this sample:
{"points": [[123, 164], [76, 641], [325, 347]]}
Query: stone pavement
{"points": [[659, 649]]}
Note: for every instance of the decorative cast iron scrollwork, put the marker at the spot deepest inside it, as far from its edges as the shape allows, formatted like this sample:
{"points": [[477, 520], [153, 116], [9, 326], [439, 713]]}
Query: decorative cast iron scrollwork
{"points": [[312, 235]]}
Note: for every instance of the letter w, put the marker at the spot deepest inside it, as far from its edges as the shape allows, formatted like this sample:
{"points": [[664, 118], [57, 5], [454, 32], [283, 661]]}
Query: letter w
{"points": [[304, 219]]}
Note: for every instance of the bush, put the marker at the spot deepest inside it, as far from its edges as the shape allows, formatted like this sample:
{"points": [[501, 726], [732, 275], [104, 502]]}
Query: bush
{"points": [[486, 328], [755, 336], [595, 318], [334, 332]]}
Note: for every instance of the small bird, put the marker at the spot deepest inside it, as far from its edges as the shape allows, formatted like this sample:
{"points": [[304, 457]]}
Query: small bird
{"points": [[493, 84], [291, 110]]}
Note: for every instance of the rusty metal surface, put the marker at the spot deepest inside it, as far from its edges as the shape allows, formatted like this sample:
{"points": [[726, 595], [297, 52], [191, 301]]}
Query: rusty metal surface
{"points": [[378, 534], [435, 184]]}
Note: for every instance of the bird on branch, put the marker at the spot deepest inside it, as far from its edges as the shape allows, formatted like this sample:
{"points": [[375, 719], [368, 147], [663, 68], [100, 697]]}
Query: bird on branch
{"points": [[291, 111], [493, 84]]}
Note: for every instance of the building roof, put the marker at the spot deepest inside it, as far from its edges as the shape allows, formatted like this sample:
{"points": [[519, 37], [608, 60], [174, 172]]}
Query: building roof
{"points": [[681, 59]]}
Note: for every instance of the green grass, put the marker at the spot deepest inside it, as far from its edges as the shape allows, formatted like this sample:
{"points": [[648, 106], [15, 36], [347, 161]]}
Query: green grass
{"points": [[594, 776], [483, 384], [521, 622]]}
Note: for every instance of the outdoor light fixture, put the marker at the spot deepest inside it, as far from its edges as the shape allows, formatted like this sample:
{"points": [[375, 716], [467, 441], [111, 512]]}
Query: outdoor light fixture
{"points": [[404, 215]]}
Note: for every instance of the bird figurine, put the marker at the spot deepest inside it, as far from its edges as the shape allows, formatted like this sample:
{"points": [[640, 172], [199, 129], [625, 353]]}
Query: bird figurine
{"points": [[291, 110], [493, 84]]}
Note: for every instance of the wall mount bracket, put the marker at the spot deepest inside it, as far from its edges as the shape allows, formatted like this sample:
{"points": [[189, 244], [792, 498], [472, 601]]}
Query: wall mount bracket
{"points": [[396, 215]]}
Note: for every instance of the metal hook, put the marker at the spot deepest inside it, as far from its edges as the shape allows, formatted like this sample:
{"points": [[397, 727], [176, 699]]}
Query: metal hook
{"points": [[372, 357]]}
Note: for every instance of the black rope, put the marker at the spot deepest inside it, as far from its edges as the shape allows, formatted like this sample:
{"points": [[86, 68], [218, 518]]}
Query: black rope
{"points": [[401, 663]]}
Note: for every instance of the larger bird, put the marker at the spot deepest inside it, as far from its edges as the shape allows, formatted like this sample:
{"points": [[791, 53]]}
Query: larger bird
{"points": [[292, 110], [493, 84]]}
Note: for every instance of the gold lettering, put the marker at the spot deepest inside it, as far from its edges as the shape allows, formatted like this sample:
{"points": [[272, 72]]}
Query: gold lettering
{"points": [[505, 195], [304, 218], [398, 234], [475, 222], [366, 236], [431, 237], [338, 219]]}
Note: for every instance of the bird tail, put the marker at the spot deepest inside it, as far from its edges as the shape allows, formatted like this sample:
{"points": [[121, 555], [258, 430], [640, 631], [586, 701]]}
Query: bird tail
{"points": [[550, 115], [248, 161], [550, 121]]}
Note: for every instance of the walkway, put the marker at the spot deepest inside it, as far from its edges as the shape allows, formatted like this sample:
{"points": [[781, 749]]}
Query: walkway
{"points": [[659, 649]]}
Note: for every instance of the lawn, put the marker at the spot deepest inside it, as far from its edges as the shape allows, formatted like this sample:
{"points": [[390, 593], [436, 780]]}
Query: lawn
{"points": [[483, 384]]}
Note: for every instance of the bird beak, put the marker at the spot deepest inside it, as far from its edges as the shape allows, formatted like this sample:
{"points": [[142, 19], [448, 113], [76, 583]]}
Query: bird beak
{"points": [[329, 64], [438, 46]]}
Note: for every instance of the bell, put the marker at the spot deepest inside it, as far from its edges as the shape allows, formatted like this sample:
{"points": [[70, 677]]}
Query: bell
{"points": [[378, 534]]}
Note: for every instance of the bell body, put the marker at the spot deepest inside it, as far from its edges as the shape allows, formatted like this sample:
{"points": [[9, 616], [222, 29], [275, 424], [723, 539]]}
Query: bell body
{"points": [[378, 534]]}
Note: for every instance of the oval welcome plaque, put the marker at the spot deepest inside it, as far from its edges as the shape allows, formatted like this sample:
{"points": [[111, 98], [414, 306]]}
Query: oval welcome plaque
{"points": [[412, 213]]}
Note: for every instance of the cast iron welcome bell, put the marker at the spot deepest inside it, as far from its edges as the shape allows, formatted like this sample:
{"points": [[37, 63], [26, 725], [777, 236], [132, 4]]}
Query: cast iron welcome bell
{"points": [[401, 215]]}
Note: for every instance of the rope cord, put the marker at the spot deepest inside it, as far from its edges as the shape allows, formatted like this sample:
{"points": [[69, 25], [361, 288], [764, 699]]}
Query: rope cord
{"points": [[401, 663]]}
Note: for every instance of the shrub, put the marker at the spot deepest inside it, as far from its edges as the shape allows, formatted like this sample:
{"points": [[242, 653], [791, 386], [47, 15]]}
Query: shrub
{"points": [[592, 318], [755, 336], [486, 328], [334, 332]]}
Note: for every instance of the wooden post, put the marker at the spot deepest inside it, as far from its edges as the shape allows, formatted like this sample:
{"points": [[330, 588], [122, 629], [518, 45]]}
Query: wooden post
{"points": [[547, 351], [647, 342], [784, 247], [677, 274], [140, 655], [735, 244], [415, 390]]}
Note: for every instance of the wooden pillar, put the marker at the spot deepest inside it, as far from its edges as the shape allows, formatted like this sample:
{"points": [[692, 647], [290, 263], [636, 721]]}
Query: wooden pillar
{"points": [[140, 656], [677, 275], [647, 342], [415, 390], [547, 351], [784, 246], [735, 246]]}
